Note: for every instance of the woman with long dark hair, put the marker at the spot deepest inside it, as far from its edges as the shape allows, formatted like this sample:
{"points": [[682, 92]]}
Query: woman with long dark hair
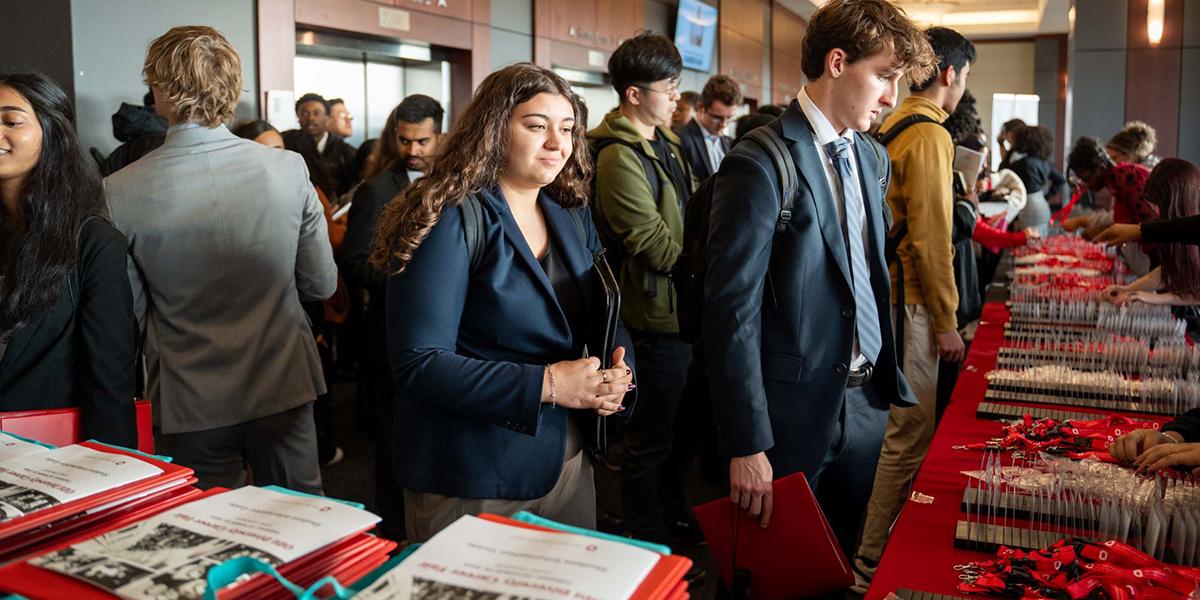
{"points": [[490, 309], [1174, 188], [68, 336], [1042, 181]]}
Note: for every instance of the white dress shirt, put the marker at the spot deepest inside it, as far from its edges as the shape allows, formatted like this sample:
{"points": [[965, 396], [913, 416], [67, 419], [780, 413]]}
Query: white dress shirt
{"points": [[715, 146], [823, 133], [321, 143]]}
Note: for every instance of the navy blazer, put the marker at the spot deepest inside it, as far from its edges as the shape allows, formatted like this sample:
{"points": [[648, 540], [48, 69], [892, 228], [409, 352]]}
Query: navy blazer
{"points": [[778, 310], [468, 352], [691, 140]]}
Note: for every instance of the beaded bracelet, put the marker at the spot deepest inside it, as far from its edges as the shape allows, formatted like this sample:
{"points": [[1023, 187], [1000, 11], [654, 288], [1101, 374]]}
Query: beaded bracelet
{"points": [[553, 387]]}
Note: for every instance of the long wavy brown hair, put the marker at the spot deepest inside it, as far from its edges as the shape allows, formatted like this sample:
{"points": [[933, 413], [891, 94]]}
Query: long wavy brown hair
{"points": [[1174, 186], [471, 160]]}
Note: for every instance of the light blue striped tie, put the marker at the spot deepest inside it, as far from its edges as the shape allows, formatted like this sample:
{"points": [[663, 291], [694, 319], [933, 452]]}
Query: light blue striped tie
{"points": [[866, 314]]}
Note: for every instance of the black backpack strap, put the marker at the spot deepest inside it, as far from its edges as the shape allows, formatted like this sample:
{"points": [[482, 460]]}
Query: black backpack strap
{"points": [[789, 177], [472, 215], [886, 138], [647, 164]]}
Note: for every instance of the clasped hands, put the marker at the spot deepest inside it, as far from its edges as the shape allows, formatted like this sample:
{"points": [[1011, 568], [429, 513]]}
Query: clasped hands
{"points": [[583, 384]]}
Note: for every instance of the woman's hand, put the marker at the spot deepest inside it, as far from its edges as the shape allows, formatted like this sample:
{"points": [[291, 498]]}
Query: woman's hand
{"points": [[1115, 294], [1120, 233], [1032, 233], [1135, 443], [582, 384], [1074, 223], [1168, 455]]}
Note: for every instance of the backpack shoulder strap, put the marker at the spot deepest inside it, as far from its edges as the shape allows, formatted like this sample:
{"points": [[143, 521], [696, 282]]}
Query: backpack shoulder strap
{"points": [[472, 215], [789, 177], [647, 164], [886, 138]]}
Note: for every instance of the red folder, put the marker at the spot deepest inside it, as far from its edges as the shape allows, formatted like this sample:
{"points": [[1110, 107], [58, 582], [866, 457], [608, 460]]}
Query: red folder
{"points": [[37, 584], [172, 475], [86, 526], [659, 584], [797, 555], [63, 426]]}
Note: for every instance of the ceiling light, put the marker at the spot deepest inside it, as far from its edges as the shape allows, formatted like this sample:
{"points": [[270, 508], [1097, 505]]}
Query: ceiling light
{"points": [[1154, 21]]}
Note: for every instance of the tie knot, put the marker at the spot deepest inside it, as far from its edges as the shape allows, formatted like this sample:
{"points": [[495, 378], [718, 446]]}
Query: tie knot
{"points": [[838, 148]]}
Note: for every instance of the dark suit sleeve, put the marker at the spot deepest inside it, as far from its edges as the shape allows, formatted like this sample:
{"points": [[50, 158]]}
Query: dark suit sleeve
{"points": [[745, 206], [1057, 181], [424, 310], [109, 338], [964, 222], [1175, 231], [360, 236], [1187, 425]]}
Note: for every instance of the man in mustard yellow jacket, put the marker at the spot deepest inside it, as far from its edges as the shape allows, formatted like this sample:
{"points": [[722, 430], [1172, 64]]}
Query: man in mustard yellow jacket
{"points": [[921, 196]]}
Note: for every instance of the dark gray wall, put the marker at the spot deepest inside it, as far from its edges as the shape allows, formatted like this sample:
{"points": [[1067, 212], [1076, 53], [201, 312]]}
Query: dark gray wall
{"points": [[1045, 83], [110, 41], [35, 35], [1097, 68], [512, 32], [1189, 89]]}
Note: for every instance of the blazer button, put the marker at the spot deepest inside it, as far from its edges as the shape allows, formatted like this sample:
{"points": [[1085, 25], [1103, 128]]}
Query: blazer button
{"points": [[841, 368], [847, 312]]}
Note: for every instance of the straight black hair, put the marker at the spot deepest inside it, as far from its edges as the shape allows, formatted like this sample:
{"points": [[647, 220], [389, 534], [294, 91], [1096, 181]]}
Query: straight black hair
{"points": [[252, 129], [952, 50], [642, 59], [418, 107], [59, 194], [310, 97]]}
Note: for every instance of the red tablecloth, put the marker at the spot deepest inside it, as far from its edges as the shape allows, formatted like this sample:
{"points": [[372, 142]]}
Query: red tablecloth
{"points": [[920, 554]]}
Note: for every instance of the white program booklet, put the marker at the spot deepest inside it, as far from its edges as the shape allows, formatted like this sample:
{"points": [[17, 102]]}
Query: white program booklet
{"points": [[44, 479], [169, 555], [474, 558], [12, 447]]}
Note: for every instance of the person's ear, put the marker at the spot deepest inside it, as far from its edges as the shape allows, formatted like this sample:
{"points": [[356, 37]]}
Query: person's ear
{"points": [[632, 95], [836, 62], [949, 75]]}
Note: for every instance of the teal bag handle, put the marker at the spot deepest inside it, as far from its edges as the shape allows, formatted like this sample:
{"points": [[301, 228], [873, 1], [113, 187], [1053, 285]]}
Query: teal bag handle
{"points": [[230, 570]]}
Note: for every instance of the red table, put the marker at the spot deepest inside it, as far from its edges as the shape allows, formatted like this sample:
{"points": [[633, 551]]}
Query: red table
{"points": [[921, 554]]}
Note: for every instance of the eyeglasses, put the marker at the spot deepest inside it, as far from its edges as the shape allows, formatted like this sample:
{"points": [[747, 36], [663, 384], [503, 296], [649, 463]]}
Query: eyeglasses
{"points": [[721, 119], [672, 88]]}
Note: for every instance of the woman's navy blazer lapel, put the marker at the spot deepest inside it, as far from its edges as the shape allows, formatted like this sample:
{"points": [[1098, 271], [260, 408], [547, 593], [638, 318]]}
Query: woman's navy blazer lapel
{"points": [[562, 229]]}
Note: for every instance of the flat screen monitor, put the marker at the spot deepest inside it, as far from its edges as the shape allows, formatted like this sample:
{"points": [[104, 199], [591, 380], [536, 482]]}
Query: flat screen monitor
{"points": [[695, 33]]}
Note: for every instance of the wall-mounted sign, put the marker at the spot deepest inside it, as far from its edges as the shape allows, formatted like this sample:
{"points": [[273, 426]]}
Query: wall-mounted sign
{"points": [[595, 58], [392, 18]]}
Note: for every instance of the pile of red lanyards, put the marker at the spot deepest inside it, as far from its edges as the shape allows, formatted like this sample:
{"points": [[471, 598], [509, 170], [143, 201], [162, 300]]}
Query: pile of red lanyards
{"points": [[1073, 569], [1073, 439]]}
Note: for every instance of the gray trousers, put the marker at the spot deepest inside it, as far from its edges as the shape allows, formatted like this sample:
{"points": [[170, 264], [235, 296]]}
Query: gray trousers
{"points": [[571, 501], [280, 450]]}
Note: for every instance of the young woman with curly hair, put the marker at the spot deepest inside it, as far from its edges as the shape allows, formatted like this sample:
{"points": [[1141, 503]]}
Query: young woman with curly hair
{"points": [[487, 323]]}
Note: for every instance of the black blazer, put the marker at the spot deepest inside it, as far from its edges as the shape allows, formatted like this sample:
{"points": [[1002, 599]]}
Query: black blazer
{"points": [[691, 139], [338, 158], [468, 351], [369, 201], [778, 311], [81, 351]]}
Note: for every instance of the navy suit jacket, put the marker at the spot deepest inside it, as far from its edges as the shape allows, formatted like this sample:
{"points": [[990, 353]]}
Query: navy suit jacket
{"points": [[468, 352], [691, 140], [778, 311]]}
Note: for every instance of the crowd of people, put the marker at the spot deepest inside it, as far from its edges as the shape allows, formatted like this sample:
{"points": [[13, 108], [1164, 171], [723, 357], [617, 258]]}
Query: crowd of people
{"points": [[221, 271]]}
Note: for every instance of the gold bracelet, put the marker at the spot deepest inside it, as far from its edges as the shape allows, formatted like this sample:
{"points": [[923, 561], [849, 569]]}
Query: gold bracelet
{"points": [[553, 387]]}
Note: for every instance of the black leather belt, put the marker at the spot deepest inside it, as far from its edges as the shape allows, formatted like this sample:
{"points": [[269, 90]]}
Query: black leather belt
{"points": [[860, 376]]}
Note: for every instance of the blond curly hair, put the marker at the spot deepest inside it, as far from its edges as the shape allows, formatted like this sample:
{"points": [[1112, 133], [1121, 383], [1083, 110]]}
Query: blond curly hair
{"points": [[198, 72]]}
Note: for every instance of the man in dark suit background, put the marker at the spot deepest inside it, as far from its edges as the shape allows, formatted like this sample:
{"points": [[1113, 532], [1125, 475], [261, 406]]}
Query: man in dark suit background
{"points": [[796, 327], [406, 150], [703, 139], [312, 110]]}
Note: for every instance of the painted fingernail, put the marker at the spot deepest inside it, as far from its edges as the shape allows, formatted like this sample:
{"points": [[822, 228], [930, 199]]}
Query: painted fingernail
{"points": [[628, 372], [632, 386], [621, 408]]}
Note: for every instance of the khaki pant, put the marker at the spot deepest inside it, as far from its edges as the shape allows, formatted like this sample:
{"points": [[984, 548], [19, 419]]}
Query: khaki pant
{"points": [[909, 431], [571, 501]]}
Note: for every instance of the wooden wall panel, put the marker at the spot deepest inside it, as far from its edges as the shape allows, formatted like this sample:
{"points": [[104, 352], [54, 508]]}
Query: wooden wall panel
{"points": [[276, 48], [359, 16]]}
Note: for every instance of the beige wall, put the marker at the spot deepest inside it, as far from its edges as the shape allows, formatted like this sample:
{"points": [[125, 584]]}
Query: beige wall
{"points": [[1001, 68]]}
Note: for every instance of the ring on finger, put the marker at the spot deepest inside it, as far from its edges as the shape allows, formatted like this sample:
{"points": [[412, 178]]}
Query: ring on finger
{"points": [[604, 376]]}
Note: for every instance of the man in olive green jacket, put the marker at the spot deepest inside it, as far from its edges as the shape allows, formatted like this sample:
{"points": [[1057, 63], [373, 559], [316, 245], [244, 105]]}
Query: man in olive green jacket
{"points": [[642, 183]]}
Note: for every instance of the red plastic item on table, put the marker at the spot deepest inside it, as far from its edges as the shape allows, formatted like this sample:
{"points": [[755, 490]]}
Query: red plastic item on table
{"points": [[63, 426]]}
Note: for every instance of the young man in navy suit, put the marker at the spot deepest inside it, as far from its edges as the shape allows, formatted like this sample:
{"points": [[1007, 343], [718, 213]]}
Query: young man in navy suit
{"points": [[796, 328], [703, 138]]}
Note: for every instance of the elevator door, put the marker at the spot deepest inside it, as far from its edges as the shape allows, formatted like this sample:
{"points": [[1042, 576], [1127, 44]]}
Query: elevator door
{"points": [[370, 89]]}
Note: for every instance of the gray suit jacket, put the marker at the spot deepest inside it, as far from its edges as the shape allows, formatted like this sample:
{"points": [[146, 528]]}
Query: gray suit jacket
{"points": [[226, 237]]}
